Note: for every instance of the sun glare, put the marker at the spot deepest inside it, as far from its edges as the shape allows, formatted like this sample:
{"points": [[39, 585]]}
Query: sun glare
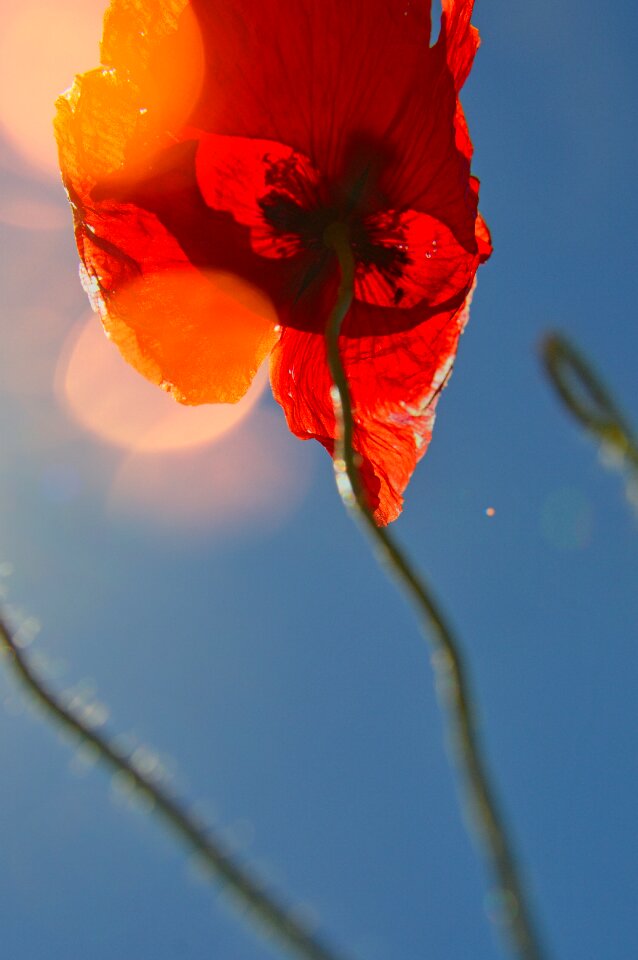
{"points": [[109, 398], [18, 209], [252, 480], [42, 45]]}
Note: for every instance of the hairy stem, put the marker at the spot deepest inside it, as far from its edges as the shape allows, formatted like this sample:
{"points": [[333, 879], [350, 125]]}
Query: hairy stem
{"points": [[448, 664], [272, 914]]}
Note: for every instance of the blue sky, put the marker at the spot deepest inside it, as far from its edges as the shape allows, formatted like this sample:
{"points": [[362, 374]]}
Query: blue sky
{"points": [[231, 617]]}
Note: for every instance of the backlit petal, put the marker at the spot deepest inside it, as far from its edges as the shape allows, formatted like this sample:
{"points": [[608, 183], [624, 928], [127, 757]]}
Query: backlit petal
{"points": [[344, 84], [459, 38], [395, 382], [200, 335], [237, 174], [433, 266], [211, 131]]}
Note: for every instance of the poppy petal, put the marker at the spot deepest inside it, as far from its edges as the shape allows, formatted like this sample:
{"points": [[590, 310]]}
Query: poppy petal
{"points": [[238, 174], [319, 84], [200, 335], [430, 264], [156, 46], [459, 38], [172, 151], [395, 382], [483, 239]]}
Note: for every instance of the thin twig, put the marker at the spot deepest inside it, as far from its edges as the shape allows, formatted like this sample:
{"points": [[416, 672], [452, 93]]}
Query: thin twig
{"points": [[272, 914], [447, 661], [588, 399]]}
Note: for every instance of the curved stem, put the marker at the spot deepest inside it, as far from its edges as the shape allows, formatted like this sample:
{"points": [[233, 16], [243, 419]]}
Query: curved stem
{"points": [[273, 914], [587, 398], [448, 664]]}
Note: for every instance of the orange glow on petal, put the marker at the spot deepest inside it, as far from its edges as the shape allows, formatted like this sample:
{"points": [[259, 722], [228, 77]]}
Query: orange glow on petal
{"points": [[158, 45], [116, 117], [201, 337], [42, 44], [111, 400]]}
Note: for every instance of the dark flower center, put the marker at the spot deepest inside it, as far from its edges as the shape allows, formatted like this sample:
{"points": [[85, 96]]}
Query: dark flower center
{"points": [[377, 239], [370, 245]]}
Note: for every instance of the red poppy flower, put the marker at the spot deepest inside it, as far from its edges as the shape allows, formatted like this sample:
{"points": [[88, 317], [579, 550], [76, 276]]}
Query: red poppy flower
{"points": [[213, 148]]}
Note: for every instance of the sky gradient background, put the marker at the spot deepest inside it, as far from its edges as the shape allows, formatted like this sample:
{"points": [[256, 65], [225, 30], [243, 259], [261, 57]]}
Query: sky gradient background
{"points": [[230, 616]]}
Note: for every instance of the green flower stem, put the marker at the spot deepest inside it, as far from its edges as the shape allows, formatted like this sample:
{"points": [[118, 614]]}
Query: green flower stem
{"points": [[447, 661], [587, 399], [273, 915]]}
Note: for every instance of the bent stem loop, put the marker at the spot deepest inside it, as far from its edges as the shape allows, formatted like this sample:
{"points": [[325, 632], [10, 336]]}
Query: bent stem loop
{"points": [[588, 399], [275, 917], [449, 668]]}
